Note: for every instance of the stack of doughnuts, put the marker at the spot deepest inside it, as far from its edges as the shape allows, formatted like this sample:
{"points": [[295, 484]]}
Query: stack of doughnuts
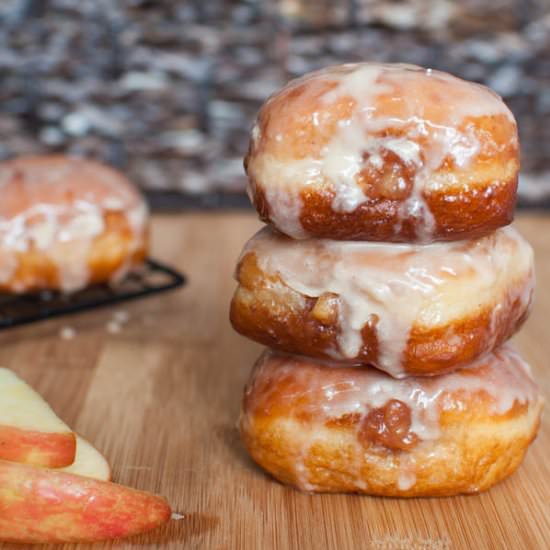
{"points": [[385, 286], [66, 223]]}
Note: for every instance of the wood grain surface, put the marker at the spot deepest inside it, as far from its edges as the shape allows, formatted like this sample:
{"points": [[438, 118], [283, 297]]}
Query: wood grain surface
{"points": [[161, 399]]}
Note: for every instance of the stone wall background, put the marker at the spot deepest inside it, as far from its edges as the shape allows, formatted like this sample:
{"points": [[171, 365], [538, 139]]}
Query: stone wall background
{"points": [[167, 89]]}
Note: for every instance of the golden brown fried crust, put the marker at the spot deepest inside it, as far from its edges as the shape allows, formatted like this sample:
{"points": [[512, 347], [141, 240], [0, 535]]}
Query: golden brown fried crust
{"points": [[468, 462], [283, 428], [111, 251], [467, 201], [269, 312], [34, 187], [465, 214]]}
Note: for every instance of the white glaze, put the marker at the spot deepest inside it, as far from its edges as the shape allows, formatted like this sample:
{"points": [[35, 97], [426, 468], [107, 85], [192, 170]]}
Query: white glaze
{"points": [[318, 392], [47, 212], [113, 203], [403, 285], [415, 138], [406, 477]]}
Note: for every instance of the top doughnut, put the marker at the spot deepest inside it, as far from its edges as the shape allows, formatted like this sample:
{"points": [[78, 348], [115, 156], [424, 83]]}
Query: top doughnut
{"points": [[384, 152]]}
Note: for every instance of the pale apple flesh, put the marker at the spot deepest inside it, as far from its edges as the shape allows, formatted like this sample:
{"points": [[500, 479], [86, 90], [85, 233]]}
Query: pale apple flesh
{"points": [[89, 462], [54, 485], [30, 432], [48, 506]]}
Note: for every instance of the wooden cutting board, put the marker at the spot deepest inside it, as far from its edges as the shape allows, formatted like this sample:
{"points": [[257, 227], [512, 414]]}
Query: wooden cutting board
{"points": [[161, 399]]}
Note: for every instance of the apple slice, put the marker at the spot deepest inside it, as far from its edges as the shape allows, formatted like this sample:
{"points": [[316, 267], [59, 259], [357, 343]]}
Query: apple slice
{"points": [[89, 462], [30, 432], [38, 505]]}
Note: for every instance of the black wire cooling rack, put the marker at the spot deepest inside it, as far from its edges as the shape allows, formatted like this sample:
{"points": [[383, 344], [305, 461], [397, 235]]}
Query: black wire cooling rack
{"points": [[150, 279]]}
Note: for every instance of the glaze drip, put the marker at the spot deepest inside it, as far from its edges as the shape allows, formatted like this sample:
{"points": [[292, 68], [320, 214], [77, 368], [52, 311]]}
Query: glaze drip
{"points": [[400, 285], [318, 392], [317, 395], [58, 207], [422, 116]]}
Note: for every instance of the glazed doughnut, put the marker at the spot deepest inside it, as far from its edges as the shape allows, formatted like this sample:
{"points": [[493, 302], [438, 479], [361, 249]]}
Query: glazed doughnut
{"points": [[328, 429], [406, 309], [66, 223], [383, 152]]}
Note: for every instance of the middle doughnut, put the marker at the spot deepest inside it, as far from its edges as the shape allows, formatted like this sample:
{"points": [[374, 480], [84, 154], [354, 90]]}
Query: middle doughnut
{"points": [[406, 309]]}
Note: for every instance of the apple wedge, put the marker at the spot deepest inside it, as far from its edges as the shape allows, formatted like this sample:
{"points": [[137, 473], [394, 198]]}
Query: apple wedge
{"points": [[89, 462], [30, 432], [38, 505]]}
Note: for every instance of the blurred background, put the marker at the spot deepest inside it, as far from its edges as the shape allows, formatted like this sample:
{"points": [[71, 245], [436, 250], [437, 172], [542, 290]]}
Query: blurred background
{"points": [[167, 90]]}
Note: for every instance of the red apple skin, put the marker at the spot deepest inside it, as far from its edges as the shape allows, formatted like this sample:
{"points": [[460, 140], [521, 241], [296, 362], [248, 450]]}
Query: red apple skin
{"points": [[47, 449], [45, 506]]}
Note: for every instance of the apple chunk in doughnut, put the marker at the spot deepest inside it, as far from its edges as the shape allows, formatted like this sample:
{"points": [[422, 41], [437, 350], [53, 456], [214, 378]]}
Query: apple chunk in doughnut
{"points": [[30, 432], [406, 309], [324, 428], [384, 152], [49, 506]]}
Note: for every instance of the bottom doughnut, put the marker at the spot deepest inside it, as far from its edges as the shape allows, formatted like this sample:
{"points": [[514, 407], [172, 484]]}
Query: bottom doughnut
{"points": [[323, 428]]}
